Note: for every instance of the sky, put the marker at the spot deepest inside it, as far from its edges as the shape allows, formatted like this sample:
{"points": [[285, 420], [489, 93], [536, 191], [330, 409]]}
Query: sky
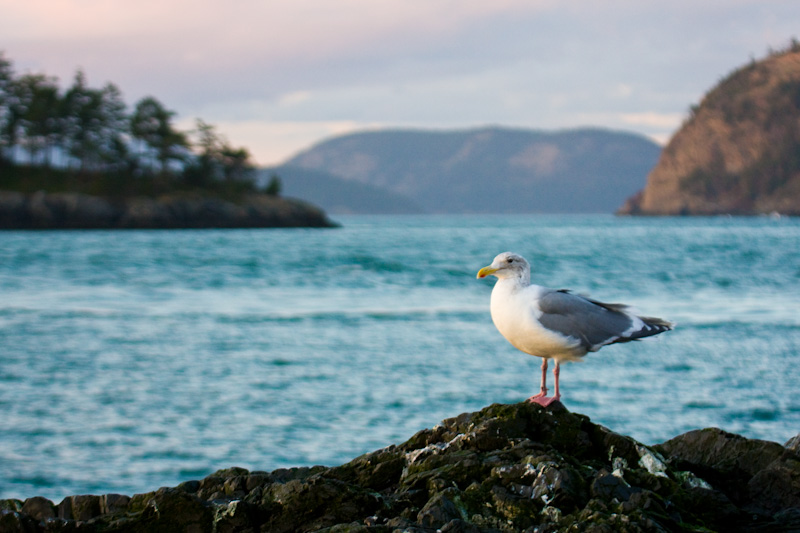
{"points": [[277, 76]]}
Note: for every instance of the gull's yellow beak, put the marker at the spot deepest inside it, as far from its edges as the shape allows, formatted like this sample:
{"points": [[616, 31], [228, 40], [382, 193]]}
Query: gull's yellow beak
{"points": [[486, 271]]}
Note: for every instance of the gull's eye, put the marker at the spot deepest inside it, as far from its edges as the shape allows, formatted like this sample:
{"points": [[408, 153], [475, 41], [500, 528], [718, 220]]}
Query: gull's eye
{"points": [[510, 259]]}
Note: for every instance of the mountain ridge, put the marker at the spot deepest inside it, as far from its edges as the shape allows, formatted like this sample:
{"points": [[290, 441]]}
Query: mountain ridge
{"points": [[338, 195], [486, 170]]}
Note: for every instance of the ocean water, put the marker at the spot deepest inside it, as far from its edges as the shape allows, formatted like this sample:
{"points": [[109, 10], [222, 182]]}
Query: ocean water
{"points": [[131, 360]]}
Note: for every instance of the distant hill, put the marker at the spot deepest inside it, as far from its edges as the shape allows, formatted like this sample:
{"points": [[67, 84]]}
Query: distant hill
{"points": [[337, 195], [739, 152], [488, 170]]}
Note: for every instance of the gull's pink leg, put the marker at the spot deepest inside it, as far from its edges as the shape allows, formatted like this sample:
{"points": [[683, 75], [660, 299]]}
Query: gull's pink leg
{"points": [[556, 373], [536, 398], [542, 398]]}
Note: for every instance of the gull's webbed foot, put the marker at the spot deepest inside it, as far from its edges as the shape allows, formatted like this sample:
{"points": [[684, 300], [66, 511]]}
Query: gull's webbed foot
{"points": [[543, 400]]}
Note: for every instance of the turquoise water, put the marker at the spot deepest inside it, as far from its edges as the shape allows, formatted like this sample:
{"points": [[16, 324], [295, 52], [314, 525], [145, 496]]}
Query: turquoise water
{"points": [[132, 360]]}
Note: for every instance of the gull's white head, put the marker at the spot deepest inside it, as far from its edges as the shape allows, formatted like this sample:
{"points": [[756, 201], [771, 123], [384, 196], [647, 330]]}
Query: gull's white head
{"points": [[507, 265]]}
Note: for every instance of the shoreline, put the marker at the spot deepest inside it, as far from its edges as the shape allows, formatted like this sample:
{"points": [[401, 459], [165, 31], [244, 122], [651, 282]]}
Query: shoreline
{"points": [[43, 211]]}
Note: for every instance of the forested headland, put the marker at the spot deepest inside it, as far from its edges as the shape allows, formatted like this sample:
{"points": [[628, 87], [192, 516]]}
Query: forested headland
{"points": [[79, 158], [85, 139], [738, 152]]}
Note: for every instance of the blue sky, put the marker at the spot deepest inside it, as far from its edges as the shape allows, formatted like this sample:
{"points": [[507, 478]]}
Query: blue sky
{"points": [[279, 75]]}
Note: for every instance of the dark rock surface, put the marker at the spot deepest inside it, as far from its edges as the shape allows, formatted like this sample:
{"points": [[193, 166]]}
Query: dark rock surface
{"points": [[506, 468], [80, 211]]}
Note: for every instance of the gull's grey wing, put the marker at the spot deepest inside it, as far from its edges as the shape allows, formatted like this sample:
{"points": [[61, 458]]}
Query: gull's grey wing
{"points": [[594, 323]]}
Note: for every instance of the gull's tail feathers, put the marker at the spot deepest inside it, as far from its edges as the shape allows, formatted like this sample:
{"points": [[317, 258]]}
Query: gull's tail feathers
{"points": [[652, 326]]}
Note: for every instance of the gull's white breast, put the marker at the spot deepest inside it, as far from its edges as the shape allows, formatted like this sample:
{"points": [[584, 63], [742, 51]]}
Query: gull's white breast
{"points": [[515, 313]]}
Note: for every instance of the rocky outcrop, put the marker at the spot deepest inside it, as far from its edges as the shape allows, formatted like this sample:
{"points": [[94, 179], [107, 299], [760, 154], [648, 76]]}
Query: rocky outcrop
{"points": [[506, 468], [738, 152], [80, 211]]}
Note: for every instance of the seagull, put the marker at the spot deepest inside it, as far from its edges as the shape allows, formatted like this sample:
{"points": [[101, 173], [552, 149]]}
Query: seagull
{"points": [[557, 324]]}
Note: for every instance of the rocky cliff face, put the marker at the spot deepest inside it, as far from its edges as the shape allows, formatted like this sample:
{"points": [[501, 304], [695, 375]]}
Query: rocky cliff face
{"points": [[80, 211], [739, 152], [506, 468]]}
